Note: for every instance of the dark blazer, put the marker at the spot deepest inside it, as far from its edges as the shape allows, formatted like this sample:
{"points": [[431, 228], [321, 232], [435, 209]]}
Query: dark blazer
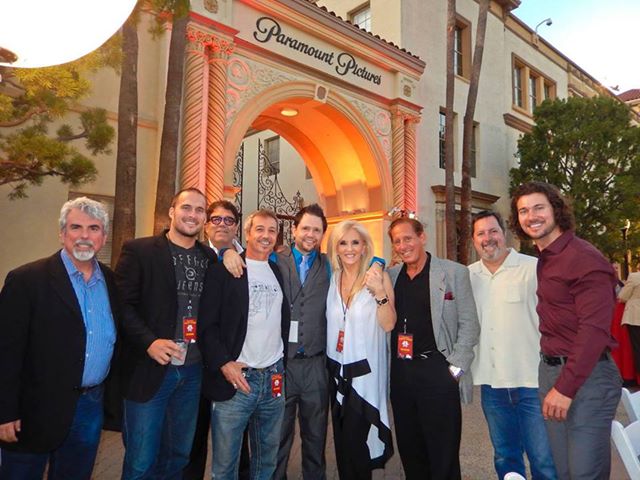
{"points": [[222, 327], [147, 281], [42, 352]]}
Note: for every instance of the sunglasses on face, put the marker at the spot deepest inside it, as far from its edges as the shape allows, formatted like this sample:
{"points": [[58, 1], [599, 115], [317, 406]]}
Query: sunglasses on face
{"points": [[217, 220]]}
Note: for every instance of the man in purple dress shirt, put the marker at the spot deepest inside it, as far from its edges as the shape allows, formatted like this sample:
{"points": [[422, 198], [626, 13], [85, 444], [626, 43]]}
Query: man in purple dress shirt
{"points": [[579, 384]]}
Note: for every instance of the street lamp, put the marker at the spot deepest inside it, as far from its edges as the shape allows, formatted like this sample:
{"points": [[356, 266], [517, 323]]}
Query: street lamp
{"points": [[548, 22], [625, 266], [41, 33]]}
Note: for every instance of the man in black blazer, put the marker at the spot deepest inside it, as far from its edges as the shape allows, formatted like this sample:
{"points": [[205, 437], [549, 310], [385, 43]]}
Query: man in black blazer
{"points": [[57, 337], [243, 337], [161, 279]]}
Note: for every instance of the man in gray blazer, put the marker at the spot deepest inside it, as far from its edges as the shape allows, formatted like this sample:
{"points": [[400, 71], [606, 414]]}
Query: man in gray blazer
{"points": [[306, 276], [431, 352]]}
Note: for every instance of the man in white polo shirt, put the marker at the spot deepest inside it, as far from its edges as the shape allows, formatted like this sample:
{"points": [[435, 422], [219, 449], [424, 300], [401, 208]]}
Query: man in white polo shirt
{"points": [[506, 362]]}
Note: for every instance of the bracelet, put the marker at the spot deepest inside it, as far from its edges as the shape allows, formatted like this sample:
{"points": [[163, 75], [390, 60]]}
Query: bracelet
{"points": [[382, 301]]}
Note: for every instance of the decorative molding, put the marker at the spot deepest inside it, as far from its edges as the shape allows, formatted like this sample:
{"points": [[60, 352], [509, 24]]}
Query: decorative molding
{"points": [[517, 123], [208, 42], [480, 200], [247, 79], [211, 6], [380, 121]]}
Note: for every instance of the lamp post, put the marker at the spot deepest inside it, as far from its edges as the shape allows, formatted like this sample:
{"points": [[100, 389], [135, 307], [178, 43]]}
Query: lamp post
{"points": [[548, 22], [625, 265]]}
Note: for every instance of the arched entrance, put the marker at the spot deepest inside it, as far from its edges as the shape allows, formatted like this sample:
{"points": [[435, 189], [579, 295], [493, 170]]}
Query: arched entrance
{"points": [[355, 122], [349, 167]]}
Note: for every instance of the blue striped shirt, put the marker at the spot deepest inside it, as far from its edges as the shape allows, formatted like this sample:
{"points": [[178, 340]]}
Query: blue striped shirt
{"points": [[93, 298]]}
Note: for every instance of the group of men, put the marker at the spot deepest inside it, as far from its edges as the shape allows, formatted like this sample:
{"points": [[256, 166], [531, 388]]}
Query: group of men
{"points": [[187, 338]]}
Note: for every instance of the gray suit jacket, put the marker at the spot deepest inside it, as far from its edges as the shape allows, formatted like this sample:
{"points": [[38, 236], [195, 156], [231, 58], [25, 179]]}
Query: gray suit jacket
{"points": [[454, 316]]}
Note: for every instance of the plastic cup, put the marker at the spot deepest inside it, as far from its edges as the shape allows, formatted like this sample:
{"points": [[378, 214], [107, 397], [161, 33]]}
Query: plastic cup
{"points": [[183, 353]]}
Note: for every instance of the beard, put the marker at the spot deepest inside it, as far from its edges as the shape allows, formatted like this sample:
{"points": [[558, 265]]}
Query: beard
{"points": [[493, 254], [83, 255]]}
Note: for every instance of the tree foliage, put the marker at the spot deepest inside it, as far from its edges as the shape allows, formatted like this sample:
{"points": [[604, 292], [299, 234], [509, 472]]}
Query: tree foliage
{"points": [[590, 150], [30, 101]]}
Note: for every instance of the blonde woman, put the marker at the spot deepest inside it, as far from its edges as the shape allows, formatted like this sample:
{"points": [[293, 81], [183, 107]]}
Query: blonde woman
{"points": [[360, 310]]}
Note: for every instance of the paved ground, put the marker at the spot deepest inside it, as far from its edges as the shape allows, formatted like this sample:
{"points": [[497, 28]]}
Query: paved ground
{"points": [[476, 453]]}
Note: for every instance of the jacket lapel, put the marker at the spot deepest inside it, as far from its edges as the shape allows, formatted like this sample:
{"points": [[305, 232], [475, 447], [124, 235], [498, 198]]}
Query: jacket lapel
{"points": [[61, 284], [163, 254], [437, 286]]}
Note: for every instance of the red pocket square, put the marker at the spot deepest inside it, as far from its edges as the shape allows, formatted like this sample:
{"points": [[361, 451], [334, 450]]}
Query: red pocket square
{"points": [[448, 296]]}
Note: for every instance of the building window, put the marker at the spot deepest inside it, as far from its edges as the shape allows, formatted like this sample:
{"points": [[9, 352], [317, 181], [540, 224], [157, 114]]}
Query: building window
{"points": [[361, 17], [272, 151], [462, 49], [457, 51], [530, 87], [474, 151], [517, 86], [441, 131], [533, 92]]}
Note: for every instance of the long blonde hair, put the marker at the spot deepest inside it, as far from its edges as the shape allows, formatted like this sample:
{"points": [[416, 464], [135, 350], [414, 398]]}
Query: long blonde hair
{"points": [[339, 231]]}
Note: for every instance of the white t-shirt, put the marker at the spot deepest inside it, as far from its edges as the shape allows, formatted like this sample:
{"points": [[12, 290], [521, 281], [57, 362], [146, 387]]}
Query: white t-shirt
{"points": [[508, 352], [263, 344]]}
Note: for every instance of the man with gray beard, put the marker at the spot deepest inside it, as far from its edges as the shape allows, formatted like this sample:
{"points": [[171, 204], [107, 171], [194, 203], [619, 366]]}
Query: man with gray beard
{"points": [[57, 336]]}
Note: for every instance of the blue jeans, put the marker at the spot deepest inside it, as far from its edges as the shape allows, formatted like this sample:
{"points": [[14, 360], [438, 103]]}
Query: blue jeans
{"points": [[74, 459], [514, 416], [158, 434], [263, 413]]}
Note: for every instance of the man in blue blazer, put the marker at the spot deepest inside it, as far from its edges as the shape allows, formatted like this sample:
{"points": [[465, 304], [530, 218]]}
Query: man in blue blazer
{"points": [[57, 337]]}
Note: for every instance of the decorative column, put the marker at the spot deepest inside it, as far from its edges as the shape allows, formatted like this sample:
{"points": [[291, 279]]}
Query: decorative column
{"points": [[410, 164], [219, 51], [398, 157], [194, 117]]}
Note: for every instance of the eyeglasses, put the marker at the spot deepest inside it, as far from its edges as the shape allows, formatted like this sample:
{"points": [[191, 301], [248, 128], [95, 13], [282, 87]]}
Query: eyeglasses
{"points": [[217, 220]]}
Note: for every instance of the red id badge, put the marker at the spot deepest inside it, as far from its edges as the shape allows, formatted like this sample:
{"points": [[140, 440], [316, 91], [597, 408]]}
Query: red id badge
{"points": [[405, 346], [340, 344], [276, 385], [189, 329]]}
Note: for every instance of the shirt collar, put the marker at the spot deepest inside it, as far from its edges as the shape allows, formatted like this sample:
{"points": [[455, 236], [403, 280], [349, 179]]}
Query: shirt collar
{"points": [[511, 260], [558, 244], [73, 271], [297, 255]]}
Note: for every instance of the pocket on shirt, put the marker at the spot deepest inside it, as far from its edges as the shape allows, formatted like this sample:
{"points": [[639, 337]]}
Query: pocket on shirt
{"points": [[514, 294]]}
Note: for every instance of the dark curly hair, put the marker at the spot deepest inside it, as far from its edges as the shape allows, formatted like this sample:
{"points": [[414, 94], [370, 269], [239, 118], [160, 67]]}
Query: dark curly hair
{"points": [[562, 212]]}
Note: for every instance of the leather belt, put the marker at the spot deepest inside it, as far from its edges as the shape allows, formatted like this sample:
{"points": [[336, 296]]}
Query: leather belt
{"points": [[555, 361], [84, 390]]}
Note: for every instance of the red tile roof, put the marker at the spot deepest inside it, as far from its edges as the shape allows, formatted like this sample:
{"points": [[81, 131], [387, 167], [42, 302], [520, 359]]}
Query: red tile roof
{"points": [[377, 37], [633, 94]]}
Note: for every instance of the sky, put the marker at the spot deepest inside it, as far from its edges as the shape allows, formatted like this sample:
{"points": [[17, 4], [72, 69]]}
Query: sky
{"points": [[602, 37]]}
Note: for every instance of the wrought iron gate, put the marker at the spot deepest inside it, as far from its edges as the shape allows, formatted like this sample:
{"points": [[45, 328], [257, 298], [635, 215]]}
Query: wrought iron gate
{"points": [[270, 194]]}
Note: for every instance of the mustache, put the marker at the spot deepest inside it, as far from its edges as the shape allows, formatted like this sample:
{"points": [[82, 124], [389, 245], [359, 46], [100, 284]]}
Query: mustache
{"points": [[84, 243]]}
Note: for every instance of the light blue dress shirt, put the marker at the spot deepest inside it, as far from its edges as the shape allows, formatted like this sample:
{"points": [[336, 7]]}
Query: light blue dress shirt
{"points": [[93, 298]]}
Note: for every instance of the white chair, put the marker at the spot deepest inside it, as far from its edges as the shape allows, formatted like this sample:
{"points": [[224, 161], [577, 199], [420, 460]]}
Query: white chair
{"points": [[631, 402], [513, 476], [627, 442]]}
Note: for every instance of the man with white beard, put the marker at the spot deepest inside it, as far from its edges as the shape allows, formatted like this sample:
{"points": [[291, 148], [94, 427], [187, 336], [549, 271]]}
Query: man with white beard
{"points": [[506, 361], [57, 336]]}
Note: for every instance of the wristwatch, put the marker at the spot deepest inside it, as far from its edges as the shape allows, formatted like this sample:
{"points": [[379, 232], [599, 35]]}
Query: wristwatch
{"points": [[456, 372], [382, 301]]}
